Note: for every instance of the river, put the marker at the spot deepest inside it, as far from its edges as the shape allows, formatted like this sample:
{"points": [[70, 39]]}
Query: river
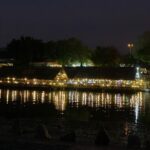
{"points": [[131, 109]]}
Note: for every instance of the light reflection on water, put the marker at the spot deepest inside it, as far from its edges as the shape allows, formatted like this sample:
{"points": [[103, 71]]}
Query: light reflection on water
{"points": [[62, 99]]}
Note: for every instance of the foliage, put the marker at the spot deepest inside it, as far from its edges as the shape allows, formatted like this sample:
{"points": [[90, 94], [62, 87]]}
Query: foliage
{"points": [[128, 60], [50, 52], [25, 50], [142, 47], [105, 56], [67, 51]]}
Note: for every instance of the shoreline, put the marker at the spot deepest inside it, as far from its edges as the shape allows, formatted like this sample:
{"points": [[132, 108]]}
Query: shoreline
{"points": [[85, 135], [67, 88]]}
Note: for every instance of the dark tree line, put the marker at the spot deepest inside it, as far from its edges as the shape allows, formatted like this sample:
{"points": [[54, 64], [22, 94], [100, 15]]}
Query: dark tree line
{"points": [[26, 50], [67, 51], [142, 47], [106, 56]]}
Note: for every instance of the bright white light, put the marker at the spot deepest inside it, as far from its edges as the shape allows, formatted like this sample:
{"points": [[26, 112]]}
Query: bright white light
{"points": [[137, 75], [136, 111], [76, 65]]}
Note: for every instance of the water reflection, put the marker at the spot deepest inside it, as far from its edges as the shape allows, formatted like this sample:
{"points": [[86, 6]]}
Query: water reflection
{"points": [[59, 99], [62, 99]]}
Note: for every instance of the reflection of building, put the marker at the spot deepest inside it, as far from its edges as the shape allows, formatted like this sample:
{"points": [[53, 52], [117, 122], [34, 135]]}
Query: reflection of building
{"points": [[62, 99], [59, 100], [146, 76], [79, 77]]}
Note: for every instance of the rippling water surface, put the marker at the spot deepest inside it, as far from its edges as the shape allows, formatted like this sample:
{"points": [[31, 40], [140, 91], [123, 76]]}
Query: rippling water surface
{"points": [[132, 109]]}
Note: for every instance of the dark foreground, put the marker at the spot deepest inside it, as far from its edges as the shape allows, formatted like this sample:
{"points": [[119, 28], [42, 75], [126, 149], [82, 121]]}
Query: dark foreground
{"points": [[23, 134]]}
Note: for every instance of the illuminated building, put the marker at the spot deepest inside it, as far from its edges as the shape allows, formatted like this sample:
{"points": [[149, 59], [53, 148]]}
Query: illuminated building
{"points": [[6, 63], [105, 77], [75, 77]]}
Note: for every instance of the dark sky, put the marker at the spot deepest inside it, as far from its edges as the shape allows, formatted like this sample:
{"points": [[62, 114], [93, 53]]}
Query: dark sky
{"points": [[95, 22]]}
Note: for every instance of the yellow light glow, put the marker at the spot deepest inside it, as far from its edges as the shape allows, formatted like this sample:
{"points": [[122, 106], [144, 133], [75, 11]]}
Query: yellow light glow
{"points": [[130, 45], [16, 82]]}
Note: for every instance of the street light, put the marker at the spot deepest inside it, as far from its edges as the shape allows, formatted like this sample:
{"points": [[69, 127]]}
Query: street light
{"points": [[130, 46]]}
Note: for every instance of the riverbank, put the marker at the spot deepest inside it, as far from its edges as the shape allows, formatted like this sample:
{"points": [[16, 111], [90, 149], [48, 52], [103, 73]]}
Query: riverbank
{"points": [[68, 88], [85, 132]]}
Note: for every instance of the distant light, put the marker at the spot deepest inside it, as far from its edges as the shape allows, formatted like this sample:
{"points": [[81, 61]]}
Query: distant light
{"points": [[16, 82], [130, 45], [76, 65], [137, 75], [25, 79]]}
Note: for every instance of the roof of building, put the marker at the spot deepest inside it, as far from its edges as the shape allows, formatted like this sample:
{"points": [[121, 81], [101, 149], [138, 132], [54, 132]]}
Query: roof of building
{"points": [[34, 72], [126, 73], [117, 73]]}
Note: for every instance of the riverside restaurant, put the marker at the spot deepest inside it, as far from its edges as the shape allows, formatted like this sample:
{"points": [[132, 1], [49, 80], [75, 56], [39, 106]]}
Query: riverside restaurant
{"points": [[93, 78]]}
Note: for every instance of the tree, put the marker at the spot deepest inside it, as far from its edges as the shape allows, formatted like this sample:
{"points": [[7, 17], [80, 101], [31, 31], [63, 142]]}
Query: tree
{"points": [[128, 60], [25, 50], [71, 50], [142, 47], [50, 51], [105, 56], [80, 53], [3, 53]]}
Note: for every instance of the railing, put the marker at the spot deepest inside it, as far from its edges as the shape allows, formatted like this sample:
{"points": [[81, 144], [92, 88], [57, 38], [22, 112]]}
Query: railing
{"points": [[40, 83]]}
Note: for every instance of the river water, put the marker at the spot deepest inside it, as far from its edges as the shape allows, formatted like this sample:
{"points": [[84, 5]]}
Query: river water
{"points": [[133, 110]]}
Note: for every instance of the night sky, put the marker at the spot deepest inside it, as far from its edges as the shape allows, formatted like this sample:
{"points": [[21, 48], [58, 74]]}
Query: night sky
{"points": [[95, 22]]}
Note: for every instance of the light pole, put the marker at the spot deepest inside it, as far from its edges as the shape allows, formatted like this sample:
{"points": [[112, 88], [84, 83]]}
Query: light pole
{"points": [[130, 46]]}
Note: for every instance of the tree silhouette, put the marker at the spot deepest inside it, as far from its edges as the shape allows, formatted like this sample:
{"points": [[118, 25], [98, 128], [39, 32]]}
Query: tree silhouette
{"points": [[142, 47], [105, 56], [67, 51], [25, 50]]}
